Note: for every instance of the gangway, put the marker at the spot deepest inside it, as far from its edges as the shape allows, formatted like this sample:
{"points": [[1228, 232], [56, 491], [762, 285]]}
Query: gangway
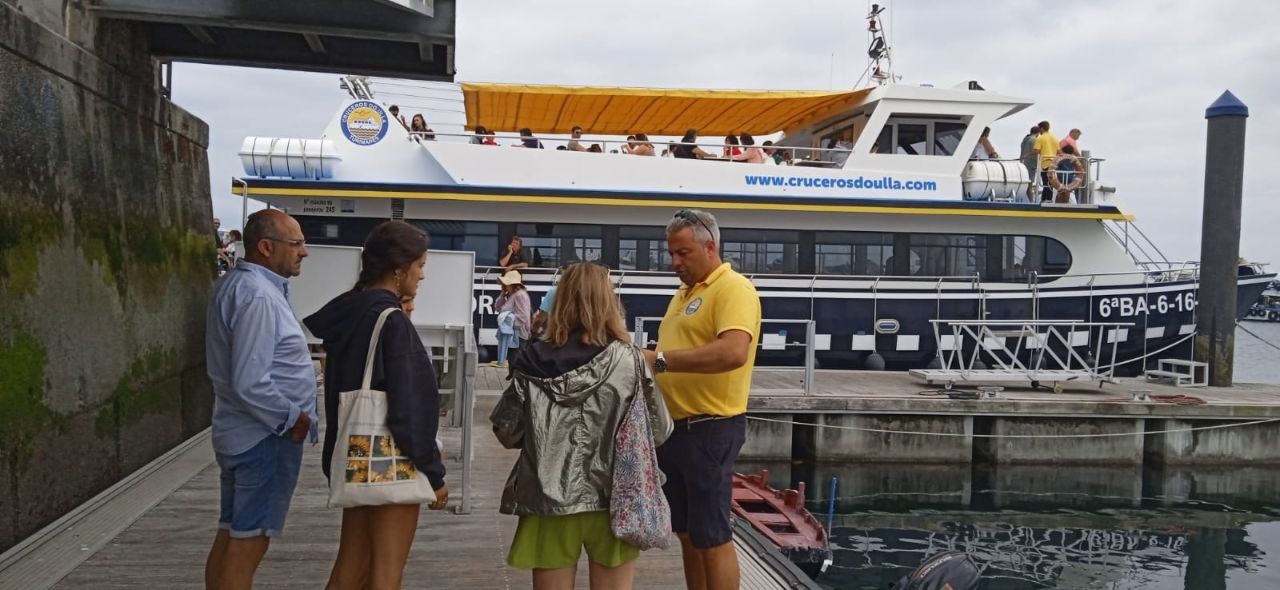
{"points": [[1035, 352]]}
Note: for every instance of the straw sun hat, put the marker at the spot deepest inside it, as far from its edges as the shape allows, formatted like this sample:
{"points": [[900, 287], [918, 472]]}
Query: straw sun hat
{"points": [[511, 278]]}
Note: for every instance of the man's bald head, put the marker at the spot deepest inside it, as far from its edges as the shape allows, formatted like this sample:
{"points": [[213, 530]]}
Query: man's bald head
{"points": [[262, 225], [274, 240]]}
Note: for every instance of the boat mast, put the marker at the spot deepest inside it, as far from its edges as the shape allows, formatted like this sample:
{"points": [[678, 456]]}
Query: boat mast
{"points": [[881, 66]]}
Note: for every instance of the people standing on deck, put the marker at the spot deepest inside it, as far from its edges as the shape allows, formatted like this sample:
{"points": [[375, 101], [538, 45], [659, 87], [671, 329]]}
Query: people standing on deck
{"points": [[1046, 149], [516, 257], [528, 140], [571, 390], [575, 140], [395, 114], [705, 354], [984, 150], [264, 390], [750, 153], [420, 130], [1028, 156], [1070, 140], [375, 540], [514, 301], [688, 147]]}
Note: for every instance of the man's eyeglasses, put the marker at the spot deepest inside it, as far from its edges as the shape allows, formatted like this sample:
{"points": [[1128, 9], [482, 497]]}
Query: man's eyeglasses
{"points": [[295, 243], [689, 215]]}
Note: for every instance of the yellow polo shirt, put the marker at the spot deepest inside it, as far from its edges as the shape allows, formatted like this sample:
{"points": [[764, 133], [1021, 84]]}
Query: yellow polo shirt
{"points": [[696, 316], [1048, 146]]}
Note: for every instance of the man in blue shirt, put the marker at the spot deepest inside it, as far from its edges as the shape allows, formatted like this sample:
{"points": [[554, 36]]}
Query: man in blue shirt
{"points": [[264, 391]]}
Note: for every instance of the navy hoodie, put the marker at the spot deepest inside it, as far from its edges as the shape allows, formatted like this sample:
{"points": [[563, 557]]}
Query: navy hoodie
{"points": [[401, 368]]}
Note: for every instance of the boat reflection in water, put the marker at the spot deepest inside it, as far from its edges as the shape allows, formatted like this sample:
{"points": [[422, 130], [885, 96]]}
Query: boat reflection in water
{"points": [[1051, 526]]}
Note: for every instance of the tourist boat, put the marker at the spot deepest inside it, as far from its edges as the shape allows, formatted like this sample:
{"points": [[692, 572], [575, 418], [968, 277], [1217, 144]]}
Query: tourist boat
{"points": [[781, 517], [882, 224]]}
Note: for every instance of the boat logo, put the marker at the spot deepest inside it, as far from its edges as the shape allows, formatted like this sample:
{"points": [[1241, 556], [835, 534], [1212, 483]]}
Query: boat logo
{"points": [[693, 306], [364, 122]]}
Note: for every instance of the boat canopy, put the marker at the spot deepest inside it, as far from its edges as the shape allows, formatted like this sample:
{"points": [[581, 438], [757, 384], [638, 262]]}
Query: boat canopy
{"points": [[655, 111]]}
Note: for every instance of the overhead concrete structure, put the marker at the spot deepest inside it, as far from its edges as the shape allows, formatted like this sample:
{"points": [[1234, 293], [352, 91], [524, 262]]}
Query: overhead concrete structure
{"points": [[398, 38]]}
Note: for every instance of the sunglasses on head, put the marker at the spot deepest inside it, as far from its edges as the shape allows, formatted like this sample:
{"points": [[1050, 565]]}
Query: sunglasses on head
{"points": [[689, 215]]}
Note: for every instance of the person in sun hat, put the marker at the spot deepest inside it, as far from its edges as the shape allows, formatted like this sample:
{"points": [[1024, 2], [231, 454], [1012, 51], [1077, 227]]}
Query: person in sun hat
{"points": [[514, 299]]}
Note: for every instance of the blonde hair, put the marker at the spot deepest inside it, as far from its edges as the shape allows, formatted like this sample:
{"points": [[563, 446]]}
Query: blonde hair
{"points": [[585, 302]]}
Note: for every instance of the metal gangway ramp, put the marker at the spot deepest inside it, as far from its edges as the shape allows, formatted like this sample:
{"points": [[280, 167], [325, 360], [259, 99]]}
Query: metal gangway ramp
{"points": [[1038, 353]]}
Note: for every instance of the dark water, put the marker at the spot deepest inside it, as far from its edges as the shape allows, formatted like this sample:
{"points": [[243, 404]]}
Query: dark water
{"points": [[1034, 526]]}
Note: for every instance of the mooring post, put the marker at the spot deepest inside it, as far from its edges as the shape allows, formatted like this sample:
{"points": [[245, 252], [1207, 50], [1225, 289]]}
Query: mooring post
{"points": [[1220, 236]]}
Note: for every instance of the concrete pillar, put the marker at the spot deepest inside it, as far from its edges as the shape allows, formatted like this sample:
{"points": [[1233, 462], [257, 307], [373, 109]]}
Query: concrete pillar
{"points": [[1240, 445], [1220, 236], [768, 440], [1099, 450], [844, 444]]}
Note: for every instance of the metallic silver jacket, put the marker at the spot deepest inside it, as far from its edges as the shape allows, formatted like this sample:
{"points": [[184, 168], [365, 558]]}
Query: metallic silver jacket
{"points": [[565, 428]]}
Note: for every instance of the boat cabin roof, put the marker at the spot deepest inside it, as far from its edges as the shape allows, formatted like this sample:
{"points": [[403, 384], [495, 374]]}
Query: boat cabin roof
{"points": [[657, 111]]}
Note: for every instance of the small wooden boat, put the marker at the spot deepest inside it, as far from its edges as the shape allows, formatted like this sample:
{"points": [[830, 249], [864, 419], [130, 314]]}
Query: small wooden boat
{"points": [[780, 516]]}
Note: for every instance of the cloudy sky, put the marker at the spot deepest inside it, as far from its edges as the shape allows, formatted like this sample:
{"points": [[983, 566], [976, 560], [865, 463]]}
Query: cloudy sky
{"points": [[1135, 76]]}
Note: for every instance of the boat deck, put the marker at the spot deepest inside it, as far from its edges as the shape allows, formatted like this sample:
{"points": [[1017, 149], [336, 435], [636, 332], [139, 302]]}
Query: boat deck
{"points": [[153, 530]]}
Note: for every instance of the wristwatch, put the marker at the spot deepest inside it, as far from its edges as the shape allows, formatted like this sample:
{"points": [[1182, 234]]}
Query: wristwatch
{"points": [[660, 363]]}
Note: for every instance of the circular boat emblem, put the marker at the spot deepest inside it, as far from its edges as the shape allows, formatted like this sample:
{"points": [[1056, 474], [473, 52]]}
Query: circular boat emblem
{"points": [[364, 122], [693, 306]]}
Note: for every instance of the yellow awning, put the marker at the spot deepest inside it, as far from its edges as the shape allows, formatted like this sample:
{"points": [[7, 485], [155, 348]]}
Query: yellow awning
{"points": [[654, 111]]}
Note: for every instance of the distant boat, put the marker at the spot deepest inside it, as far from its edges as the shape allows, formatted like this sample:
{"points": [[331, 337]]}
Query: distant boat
{"points": [[780, 516]]}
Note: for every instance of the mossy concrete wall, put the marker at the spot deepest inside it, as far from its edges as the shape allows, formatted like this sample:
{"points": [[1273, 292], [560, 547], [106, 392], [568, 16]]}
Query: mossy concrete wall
{"points": [[106, 261]]}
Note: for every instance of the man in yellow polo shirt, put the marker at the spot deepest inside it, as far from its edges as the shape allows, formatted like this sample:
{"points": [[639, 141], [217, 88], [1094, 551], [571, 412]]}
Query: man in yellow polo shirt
{"points": [[706, 350], [1046, 149]]}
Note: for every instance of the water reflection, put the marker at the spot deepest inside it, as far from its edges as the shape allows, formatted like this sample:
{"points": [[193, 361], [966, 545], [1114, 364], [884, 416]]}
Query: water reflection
{"points": [[1050, 526]]}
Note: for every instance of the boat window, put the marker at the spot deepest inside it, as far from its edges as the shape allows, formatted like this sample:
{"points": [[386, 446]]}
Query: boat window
{"points": [[761, 251], [946, 137], [948, 255], [476, 236], [912, 139], [555, 244], [853, 253], [336, 231], [643, 248]]}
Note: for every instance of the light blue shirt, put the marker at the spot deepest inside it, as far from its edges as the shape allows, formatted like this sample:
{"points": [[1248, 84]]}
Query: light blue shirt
{"points": [[545, 305], [257, 359]]}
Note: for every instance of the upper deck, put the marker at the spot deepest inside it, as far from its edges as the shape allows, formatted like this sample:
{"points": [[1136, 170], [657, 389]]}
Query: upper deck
{"points": [[889, 149]]}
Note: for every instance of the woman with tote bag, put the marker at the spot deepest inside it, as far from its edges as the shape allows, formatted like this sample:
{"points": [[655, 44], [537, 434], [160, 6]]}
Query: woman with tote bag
{"points": [[584, 412], [377, 366]]}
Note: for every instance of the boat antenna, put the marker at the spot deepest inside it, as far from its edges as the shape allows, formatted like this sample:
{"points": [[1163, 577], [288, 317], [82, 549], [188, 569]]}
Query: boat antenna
{"points": [[357, 87], [879, 52]]}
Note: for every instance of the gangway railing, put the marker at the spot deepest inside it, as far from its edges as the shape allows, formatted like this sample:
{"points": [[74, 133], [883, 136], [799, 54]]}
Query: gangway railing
{"points": [[1043, 352], [639, 338], [458, 360]]}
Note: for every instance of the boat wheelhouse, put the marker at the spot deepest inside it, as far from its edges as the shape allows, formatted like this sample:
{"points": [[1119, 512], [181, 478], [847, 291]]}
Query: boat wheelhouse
{"points": [[881, 224]]}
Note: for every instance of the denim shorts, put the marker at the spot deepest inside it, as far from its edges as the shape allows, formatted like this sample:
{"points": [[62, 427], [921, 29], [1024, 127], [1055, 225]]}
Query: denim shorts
{"points": [[698, 461], [257, 486]]}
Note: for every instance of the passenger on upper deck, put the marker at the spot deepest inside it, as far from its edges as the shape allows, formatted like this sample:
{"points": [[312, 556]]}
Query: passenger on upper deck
{"points": [[984, 150], [1046, 149], [574, 143], [640, 146], [750, 155], [731, 150], [420, 129], [1070, 140], [688, 147], [595, 149], [395, 114], [528, 140], [483, 136], [515, 258]]}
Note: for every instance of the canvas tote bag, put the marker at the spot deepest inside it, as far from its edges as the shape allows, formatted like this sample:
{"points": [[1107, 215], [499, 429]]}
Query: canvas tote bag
{"points": [[368, 468]]}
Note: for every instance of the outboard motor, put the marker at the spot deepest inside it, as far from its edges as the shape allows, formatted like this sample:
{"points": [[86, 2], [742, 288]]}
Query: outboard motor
{"points": [[950, 570]]}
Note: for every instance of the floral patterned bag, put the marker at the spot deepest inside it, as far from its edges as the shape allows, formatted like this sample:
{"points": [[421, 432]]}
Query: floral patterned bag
{"points": [[638, 509], [368, 469]]}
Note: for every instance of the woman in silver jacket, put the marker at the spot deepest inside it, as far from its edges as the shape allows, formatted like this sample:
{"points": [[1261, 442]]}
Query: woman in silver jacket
{"points": [[569, 393]]}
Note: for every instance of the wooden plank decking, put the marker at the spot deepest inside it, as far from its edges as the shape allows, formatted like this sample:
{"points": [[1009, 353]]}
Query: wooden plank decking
{"points": [[165, 547]]}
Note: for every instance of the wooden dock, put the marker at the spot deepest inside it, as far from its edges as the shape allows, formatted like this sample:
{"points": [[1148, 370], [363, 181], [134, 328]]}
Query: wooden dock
{"points": [[153, 530]]}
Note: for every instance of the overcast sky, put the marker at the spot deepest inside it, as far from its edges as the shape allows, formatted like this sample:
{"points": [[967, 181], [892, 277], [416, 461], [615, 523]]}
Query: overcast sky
{"points": [[1135, 76]]}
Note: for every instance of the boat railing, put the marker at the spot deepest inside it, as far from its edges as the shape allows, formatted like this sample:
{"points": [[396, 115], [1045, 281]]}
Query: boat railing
{"points": [[800, 156], [1085, 194]]}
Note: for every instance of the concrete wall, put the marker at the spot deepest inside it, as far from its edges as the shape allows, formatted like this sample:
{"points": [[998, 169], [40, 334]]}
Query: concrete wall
{"points": [[1256, 443], [106, 261], [1117, 446], [841, 443]]}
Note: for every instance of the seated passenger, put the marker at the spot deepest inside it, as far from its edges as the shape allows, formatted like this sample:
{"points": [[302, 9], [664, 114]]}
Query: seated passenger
{"points": [[631, 142], [731, 150], [420, 130], [483, 136], [595, 149], [641, 146], [984, 150], [750, 155], [688, 147], [574, 143], [528, 140]]}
